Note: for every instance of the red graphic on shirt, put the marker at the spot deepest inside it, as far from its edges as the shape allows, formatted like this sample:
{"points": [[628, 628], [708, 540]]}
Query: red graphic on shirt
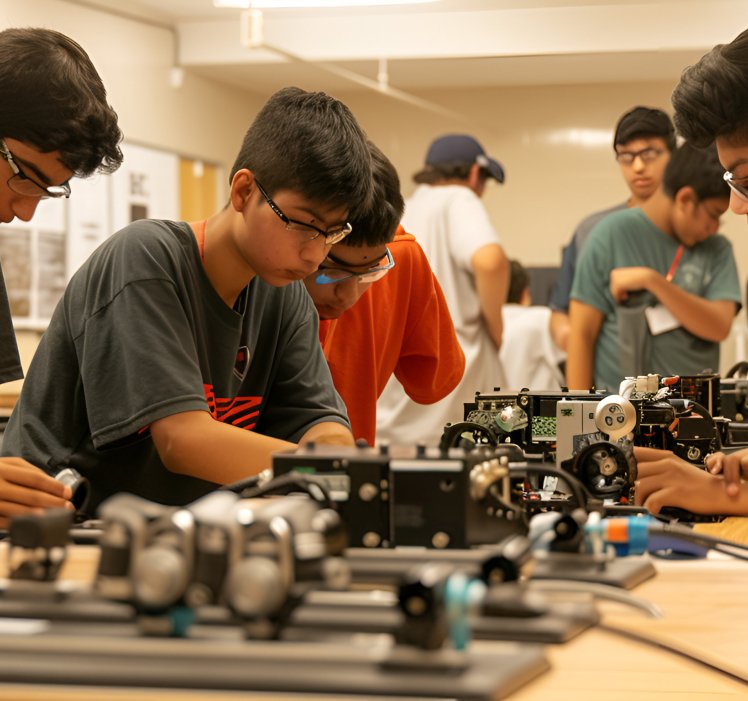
{"points": [[241, 364], [237, 411]]}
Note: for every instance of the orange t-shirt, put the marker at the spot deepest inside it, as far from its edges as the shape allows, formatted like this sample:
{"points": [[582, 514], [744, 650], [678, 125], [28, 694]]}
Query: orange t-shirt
{"points": [[401, 324]]}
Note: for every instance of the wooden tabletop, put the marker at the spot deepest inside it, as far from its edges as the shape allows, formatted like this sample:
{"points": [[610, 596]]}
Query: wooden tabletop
{"points": [[705, 614]]}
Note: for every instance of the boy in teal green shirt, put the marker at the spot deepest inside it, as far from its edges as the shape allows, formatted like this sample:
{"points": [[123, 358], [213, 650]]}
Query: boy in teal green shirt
{"points": [[668, 260]]}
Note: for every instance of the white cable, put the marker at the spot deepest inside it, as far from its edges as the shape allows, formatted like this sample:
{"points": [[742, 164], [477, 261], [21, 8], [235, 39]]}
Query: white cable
{"points": [[598, 591]]}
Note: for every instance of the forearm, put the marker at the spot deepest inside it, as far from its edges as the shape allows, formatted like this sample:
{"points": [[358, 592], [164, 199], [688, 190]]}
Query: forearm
{"points": [[703, 496], [585, 323], [705, 318], [328, 433], [194, 444], [492, 285], [580, 362], [494, 324], [731, 505]]}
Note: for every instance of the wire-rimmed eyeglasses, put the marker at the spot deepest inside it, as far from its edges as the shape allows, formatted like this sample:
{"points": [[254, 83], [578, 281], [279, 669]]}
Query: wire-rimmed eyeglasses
{"points": [[740, 190], [22, 184], [332, 236], [329, 276]]}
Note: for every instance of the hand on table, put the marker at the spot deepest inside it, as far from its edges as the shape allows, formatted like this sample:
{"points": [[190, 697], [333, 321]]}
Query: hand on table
{"points": [[666, 480]]}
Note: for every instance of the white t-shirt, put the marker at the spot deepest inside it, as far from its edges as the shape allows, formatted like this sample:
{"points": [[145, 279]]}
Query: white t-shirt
{"points": [[528, 354], [451, 224]]}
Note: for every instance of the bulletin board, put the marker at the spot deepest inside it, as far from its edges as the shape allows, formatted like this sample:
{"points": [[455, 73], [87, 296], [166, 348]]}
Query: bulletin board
{"points": [[39, 257]]}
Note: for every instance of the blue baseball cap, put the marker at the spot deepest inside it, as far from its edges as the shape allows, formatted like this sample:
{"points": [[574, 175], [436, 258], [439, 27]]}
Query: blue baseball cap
{"points": [[461, 149]]}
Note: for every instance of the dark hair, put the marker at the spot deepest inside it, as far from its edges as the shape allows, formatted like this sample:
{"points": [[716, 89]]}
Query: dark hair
{"points": [[644, 123], [711, 98], [378, 222], [310, 143], [54, 100], [699, 168], [519, 281]]}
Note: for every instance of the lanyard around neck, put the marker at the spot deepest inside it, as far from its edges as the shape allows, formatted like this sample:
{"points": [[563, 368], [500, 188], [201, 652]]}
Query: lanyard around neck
{"points": [[199, 230], [674, 264]]}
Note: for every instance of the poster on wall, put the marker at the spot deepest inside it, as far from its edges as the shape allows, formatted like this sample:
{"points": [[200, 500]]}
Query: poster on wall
{"points": [[15, 254], [146, 186], [35, 263], [39, 257]]}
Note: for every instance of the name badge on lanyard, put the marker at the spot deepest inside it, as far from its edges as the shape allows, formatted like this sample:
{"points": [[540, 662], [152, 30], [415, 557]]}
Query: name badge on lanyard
{"points": [[659, 318]]}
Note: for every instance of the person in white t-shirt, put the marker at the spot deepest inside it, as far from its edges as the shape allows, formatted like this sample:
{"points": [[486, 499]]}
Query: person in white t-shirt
{"points": [[450, 222], [529, 355]]}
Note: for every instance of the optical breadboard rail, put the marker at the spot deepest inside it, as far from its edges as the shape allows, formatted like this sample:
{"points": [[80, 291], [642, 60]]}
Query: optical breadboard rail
{"points": [[290, 667]]}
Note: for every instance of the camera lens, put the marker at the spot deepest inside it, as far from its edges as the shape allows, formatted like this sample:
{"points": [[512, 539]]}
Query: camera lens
{"points": [[78, 485]]}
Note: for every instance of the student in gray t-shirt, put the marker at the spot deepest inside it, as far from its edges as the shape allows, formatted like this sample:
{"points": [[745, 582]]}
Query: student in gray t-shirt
{"points": [[55, 124], [643, 140], [183, 355]]}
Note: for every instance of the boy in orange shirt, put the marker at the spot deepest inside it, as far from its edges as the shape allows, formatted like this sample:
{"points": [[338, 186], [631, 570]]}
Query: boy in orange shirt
{"points": [[401, 325]]}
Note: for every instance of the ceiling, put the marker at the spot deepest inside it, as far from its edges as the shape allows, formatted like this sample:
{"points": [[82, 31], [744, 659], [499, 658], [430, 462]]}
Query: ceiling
{"points": [[441, 45]]}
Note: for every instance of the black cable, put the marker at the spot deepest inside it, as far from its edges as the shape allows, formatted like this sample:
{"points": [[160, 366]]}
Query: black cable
{"points": [[293, 482], [726, 551], [711, 542], [702, 411], [699, 538], [740, 369], [245, 483]]}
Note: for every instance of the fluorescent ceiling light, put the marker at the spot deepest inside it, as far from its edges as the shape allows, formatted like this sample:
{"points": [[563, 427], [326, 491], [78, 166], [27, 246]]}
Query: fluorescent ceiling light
{"points": [[281, 4]]}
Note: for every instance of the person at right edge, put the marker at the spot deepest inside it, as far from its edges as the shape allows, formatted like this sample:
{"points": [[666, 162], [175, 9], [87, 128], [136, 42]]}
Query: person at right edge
{"points": [[711, 105]]}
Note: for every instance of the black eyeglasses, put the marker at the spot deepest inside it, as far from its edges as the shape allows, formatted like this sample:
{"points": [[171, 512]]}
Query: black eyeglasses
{"points": [[328, 276], [22, 184], [647, 155], [332, 236], [740, 190]]}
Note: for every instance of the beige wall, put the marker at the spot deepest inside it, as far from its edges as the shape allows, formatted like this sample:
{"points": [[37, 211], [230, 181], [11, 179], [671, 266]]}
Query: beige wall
{"points": [[553, 179], [553, 140]]}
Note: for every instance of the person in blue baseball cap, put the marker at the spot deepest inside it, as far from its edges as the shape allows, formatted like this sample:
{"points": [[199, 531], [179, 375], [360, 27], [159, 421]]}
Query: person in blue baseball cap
{"points": [[459, 156], [450, 222]]}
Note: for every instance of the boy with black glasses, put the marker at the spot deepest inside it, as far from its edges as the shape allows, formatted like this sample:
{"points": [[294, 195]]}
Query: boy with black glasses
{"points": [[400, 325], [55, 124], [643, 141], [183, 355]]}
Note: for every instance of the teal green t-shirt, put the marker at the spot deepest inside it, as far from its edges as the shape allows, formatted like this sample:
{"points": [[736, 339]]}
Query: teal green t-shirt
{"points": [[629, 238]]}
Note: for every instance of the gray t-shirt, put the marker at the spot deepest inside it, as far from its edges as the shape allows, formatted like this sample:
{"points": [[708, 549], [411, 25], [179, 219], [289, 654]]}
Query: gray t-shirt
{"points": [[141, 334], [10, 361], [561, 292]]}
